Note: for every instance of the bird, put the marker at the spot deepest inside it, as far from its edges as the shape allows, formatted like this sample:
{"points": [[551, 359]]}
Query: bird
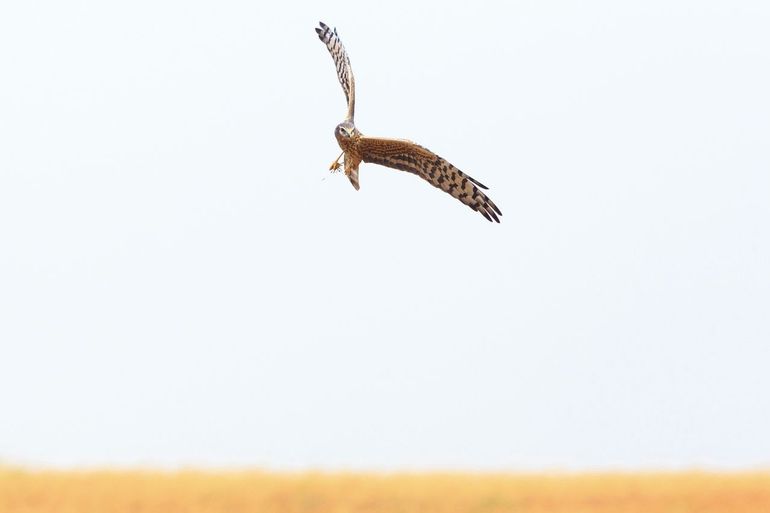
{"points": [[398, 154]]}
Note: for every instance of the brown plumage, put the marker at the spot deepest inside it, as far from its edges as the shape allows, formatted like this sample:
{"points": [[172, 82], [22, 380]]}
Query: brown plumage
{"points": [[396, 153], [411, 157]]}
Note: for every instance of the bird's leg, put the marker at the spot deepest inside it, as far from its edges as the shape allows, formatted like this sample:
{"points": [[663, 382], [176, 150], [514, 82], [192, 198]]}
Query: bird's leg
{"points": [[336, 164]]}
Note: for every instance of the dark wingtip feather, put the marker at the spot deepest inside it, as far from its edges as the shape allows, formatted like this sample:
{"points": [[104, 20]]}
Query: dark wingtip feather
{"points": [[478, 183], [322, 31]]}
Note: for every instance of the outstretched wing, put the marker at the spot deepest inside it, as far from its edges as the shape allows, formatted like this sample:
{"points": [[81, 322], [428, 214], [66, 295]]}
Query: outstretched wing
{"points": [[341, 62], [408, 156]]}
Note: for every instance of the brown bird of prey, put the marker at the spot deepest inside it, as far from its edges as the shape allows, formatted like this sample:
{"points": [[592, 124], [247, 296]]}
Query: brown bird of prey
{"points": [[396, 153]]}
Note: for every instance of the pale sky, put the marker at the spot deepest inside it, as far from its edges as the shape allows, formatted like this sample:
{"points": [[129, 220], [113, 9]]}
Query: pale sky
{"points": [[183, 282]]}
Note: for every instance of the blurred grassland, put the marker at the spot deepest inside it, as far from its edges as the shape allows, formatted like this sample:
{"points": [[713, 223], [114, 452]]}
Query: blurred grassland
{"points": [[137, 491]]}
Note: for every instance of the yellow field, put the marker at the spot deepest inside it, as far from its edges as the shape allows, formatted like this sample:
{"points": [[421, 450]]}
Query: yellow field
{"points": [[232, 492]]}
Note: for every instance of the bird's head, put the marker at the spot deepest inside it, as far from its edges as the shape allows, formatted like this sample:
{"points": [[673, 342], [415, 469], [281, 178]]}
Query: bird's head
{"points": [[345, 130]]}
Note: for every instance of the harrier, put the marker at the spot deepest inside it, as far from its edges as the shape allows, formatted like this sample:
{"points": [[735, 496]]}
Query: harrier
{"points": [[396, 153]]}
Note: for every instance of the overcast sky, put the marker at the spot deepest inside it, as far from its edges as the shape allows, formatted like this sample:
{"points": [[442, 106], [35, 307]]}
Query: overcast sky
{"points": [[183, 282]]}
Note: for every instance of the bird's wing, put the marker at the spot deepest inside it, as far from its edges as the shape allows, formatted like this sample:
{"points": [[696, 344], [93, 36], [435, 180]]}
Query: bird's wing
{"points": [[341, 62], [408, 156]]}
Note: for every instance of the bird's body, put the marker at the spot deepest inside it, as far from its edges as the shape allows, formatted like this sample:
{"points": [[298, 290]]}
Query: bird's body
{"points": [[396, 153], [349, 139]]}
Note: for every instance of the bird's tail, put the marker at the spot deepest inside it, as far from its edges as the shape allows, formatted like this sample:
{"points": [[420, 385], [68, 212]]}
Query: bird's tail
{"points": [[353, 177]]}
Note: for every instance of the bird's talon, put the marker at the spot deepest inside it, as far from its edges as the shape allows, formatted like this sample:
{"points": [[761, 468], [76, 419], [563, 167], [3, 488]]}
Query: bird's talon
{"points": [[336, 164]]}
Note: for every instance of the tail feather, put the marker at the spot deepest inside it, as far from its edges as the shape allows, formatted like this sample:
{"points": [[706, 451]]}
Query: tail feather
{"points": [[353, 177]]}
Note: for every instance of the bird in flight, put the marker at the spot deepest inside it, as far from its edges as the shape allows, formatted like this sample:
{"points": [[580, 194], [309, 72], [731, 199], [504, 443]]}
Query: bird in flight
{"points": [[396, 153]]}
